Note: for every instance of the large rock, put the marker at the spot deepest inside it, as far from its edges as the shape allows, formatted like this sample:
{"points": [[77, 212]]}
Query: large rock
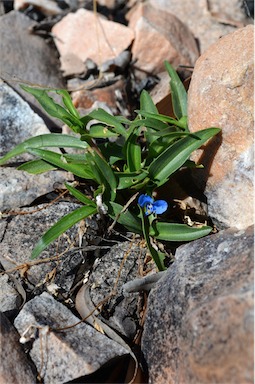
{"points": [[67, 354], [160, 36], [18, 123], [15, 366], [199, 324], [26, 57], [22, 231], [221, 95], [92, 38], [207, 20]]}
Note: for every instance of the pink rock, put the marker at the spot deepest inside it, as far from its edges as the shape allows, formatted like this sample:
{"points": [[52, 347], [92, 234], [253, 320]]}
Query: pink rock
{"points": [[87, 35], [221, 95], [160, 36], [207, 20]]}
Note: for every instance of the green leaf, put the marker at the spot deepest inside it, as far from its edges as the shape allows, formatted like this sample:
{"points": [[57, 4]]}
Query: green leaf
{"points": [[42, 141], [175, 156], [129, 179], [67, 100], [178, 92], [104, 174], [133, 153], [62, 226], [131, 222], [59, 161], [36, 167], [99, 131], [105, 117], [146, 103], [54, 109], [80, 196], [164, 118], [177, 232]]}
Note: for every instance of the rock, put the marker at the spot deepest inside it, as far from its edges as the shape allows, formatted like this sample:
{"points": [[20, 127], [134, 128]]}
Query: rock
{"points": [[121, 311], [47, 7], [22, 232], [208, 21], [26, 57], [109, 95], [69, 354], [199, 324], [19, 188], [10, 300], [109, 38], [17, 121], [221, 95], [160, 36], [15, 366]]}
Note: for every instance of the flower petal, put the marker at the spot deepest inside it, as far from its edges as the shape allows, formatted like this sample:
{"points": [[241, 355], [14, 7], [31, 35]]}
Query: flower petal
{"points": [[159, 206], [145, 199]]}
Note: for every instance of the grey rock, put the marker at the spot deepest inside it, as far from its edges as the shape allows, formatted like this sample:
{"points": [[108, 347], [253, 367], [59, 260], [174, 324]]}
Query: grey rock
{"points": [[15, 366], [199, 325], [26, 57], [121, 311], [68, 354], [22, 232], [10, 299], [17, 121], [19, 188]]}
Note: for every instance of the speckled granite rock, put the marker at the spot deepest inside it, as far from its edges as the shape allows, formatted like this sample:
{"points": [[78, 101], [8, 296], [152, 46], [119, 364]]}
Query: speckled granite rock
{"points": [[69, 354]]}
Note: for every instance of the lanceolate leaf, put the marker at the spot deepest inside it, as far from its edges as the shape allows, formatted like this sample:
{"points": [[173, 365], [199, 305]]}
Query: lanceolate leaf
{"points": [[79, 195], [59, 161], [105, 117], [36, 167], [54, 109], [62, 226], [130, 221], [42, 141], [178, 92], [175, 156], [146, 103], [177, 232], [164, 118]]}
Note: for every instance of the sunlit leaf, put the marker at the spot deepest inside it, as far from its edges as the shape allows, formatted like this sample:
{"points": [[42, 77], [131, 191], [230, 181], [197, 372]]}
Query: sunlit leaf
{"points": [[59, 160], [79, 195], [178, 92], [43, 141], [36, 167], [127, 219], [105, 117], [175, 156]]}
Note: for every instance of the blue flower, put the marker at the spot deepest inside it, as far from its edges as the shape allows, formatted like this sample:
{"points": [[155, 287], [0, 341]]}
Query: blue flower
{"points": [[151, 206]]}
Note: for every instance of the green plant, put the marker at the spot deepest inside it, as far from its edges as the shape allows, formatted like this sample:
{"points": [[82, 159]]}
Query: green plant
{"points": [[140, 156]]}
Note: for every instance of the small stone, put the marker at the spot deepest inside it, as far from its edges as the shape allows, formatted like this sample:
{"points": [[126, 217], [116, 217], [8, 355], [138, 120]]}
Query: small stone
{"points": [[200, 318], [47, 7], [109, 38], [221, 95], [68, 354], [108, 95], [15, 366], [160, 36], [10, 299]]}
